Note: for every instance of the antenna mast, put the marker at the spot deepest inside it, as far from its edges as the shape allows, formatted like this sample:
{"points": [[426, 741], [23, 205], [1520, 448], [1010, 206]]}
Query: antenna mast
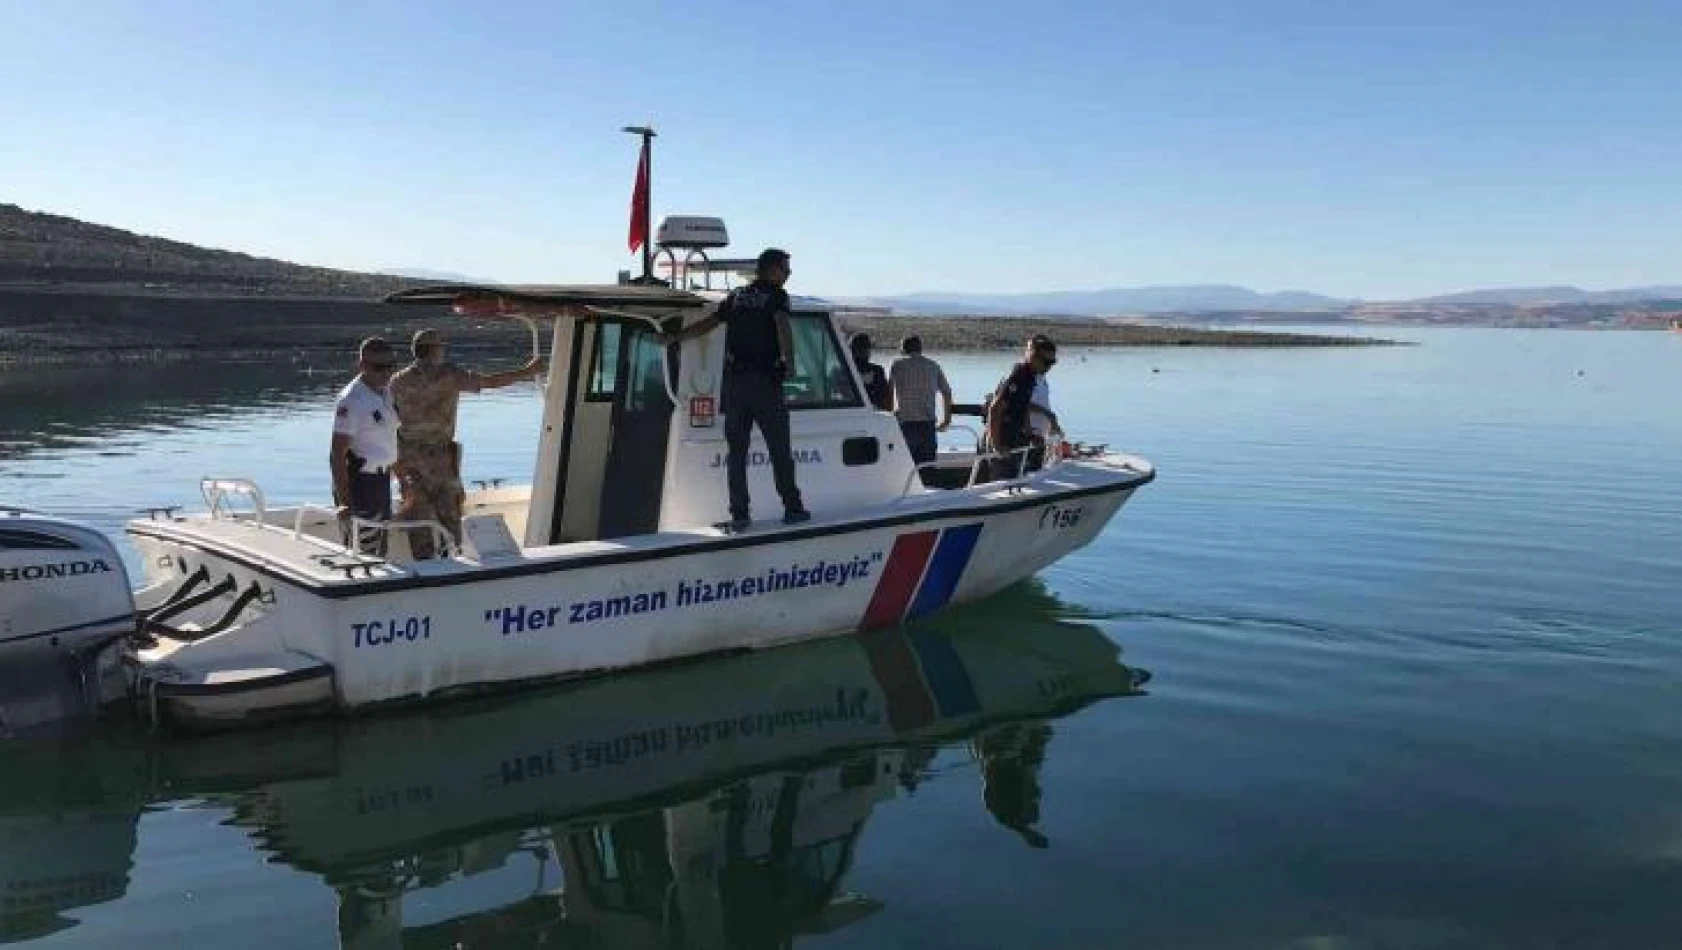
{"points": [[645, 195]]}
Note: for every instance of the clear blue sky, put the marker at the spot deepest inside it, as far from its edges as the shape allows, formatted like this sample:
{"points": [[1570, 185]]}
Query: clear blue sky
{"points": [[1369, 149]]}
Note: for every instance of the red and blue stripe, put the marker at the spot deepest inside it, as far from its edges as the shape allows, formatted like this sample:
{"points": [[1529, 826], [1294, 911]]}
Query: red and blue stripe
{"points": [[922, 573], [922, 677], [920, 672]]}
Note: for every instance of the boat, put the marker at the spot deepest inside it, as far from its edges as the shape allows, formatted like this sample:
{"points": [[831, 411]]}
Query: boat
{"points": [[647, 784], [612, 557]]}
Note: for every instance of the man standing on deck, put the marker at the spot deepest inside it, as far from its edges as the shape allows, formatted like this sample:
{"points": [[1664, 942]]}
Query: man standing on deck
{"points": [[425, 394], [1040, 417], [916, 379], [1008, 428], [876, 387], [758, 353], [364, 445]]}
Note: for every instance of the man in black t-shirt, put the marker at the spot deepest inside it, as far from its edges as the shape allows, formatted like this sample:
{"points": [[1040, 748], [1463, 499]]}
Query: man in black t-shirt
{"points": [[758, 352], [876, 387], [1008, 427]]}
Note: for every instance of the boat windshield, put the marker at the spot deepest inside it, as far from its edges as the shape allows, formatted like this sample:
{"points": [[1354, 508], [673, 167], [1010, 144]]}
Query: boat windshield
{"points": [[820, 377]]}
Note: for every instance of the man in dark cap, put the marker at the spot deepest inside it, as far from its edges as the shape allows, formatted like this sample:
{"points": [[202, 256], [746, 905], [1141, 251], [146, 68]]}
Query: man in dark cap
{"points": [[1008, 424], [758, 354]]}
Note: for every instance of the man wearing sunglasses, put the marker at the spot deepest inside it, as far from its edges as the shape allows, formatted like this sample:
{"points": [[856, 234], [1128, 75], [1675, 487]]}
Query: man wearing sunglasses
{"points": [[364, 446], [1008, 424]]}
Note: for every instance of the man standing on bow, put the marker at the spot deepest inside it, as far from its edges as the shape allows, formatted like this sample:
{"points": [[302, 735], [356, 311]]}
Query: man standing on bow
{"points": [[364, 445], [1008, 428], [425, 394], [758, 354], [1040, 417]]}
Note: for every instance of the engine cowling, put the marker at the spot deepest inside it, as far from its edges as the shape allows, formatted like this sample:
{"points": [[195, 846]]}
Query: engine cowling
{"points": [[63, 588]]}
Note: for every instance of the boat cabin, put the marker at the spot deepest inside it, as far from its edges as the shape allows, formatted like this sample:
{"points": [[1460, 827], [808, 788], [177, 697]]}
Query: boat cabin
{"points": [[632, 439]]}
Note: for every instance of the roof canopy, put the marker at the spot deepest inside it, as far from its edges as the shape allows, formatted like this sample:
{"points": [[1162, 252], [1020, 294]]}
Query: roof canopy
{"points": [[535, 300]]}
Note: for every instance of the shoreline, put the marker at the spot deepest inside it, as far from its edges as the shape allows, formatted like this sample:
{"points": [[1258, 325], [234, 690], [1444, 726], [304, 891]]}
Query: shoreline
{"points": [[988, 334], [39, 327]]}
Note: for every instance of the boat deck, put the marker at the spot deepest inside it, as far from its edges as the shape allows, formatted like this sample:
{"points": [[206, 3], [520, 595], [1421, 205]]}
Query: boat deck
{"points": [[302, 544]]}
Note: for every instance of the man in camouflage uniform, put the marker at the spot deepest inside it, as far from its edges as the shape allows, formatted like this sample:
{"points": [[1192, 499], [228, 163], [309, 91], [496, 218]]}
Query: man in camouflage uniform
{"points": [[425, 394]]}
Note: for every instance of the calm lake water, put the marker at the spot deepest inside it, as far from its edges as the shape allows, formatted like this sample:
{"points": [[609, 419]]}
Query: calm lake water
{"points": [[1408, 618]]}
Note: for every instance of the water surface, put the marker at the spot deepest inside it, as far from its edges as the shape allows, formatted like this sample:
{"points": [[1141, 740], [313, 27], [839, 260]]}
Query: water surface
{"points": [[1408, 615]]}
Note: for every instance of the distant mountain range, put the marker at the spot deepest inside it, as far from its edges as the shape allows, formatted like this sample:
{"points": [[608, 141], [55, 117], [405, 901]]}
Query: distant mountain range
{"points": [[51, 253], [1225, 298], [1533, 296], [1110, 302]]}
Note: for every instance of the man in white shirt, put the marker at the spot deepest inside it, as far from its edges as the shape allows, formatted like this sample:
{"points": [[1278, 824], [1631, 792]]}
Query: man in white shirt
{"points": [[364, 447], [1040, 416]]}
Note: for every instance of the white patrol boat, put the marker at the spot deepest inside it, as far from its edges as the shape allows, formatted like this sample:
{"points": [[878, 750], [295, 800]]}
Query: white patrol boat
{"points": [[610, 558]]}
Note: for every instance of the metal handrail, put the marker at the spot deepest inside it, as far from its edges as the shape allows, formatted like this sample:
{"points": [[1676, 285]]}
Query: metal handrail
{"points": [[542, 379], [665, 358], [217, 490], [974, 469], [439, 533], [298, 519], [916, 472], [972, 430]]}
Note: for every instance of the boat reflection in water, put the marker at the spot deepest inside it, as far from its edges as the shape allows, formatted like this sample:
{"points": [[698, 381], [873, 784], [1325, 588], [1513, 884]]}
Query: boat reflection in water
{"points": [[709, 805]]}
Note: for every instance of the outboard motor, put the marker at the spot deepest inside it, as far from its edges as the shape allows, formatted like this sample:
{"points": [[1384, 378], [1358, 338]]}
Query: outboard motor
{"points": [[64, 594]]}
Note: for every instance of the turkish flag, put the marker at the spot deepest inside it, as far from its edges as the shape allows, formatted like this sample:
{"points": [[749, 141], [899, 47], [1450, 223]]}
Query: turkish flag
{"points": [[639, 200]]}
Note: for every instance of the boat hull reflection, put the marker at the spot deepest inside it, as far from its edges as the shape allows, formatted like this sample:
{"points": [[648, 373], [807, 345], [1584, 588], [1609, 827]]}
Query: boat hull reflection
{"points": [[714, 804]]}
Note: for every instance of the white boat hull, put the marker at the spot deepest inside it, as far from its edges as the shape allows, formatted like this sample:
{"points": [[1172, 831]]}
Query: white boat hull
{"points": [[427, 633]]}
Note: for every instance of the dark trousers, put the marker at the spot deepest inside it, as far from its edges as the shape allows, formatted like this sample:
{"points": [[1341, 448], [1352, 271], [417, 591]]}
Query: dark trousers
{"points": [[920, 441], [756, 399], [370, 498]]}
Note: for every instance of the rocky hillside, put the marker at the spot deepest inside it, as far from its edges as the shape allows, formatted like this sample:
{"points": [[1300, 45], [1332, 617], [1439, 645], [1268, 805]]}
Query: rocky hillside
{"points": [[47, 251]]}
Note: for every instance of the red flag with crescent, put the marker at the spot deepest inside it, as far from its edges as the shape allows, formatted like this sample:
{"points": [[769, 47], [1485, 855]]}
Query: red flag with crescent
{"points": [[639, 200]]}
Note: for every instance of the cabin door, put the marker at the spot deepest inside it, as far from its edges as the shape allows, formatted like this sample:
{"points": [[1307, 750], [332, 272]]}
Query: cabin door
{"points": [[642, 419]]}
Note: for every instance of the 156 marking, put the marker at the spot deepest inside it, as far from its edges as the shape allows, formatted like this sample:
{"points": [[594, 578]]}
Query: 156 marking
{"points": [[1055, 516]]}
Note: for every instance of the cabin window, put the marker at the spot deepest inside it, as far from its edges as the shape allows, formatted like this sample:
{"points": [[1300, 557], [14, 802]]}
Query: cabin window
{"points": [[860, 450], [821, 377], [816, 869], [604, 363], [624, 865], [646, 390]]}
